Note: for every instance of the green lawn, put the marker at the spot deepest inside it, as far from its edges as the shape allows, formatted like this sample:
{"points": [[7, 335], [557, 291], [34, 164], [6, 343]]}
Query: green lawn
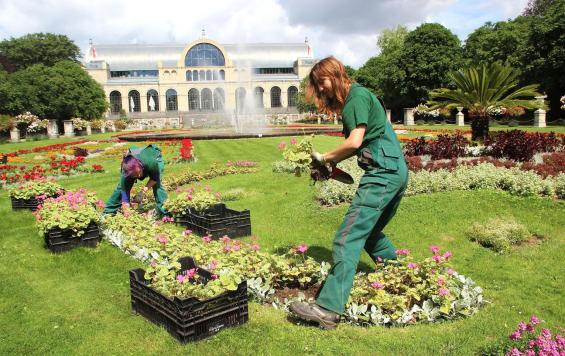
{"points": [[78, 302]]}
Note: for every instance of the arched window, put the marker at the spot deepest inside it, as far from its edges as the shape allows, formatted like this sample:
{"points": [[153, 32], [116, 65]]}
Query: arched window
{"points": [[195, 75], [152, 100], [204, 54], [219, 99], [258, 97], [134, 101], [240, 100], [292, 96], [188, 75], [115, 102], [208, 74], [215, 75], [222, 74], [202, 74], [171, 99], [206, 99], [275, 97], [193, 99]]}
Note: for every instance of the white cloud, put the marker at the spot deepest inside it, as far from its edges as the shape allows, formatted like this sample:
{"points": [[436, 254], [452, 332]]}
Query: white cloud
{"points": [[346, 30]]}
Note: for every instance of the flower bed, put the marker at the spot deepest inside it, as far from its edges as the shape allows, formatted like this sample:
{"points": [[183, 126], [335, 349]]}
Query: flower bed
{"points": [[190, 302], [454, 296], [172, 181]]}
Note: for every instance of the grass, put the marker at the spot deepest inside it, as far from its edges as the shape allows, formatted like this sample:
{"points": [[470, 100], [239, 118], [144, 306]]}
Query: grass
{"points": [[78, 302]]}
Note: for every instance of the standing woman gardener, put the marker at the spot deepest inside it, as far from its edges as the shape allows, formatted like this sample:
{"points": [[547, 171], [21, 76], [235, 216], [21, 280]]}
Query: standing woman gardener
{"points": [[370, 136], [139, 163]]}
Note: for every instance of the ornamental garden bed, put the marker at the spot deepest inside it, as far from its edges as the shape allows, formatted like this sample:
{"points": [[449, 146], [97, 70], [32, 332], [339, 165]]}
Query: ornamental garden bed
{"points": [[189, 319], [58, 240], [217, 221]]}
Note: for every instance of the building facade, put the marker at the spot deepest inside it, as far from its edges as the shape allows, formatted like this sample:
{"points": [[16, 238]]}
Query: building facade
{"points": [[201, 77]]}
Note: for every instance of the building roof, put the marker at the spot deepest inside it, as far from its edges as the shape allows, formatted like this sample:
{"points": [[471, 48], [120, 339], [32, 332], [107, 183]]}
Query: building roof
{"points": [[122, 57]]}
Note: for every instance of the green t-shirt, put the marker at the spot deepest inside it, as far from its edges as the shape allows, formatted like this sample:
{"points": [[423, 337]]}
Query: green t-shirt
{"points": [[362, 107]]}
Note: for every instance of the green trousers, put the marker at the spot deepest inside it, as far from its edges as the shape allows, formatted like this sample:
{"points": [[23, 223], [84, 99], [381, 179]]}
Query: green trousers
{"points": [[375, 203], [160, 194]]}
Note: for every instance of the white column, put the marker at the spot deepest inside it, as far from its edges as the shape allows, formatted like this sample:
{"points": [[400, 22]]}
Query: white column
{"points": [[460, 117], [539, 118], [319, 119], [15, 135], [53, 129], [68, 126], [388, 115], [103, 128], [408, 116], [88, 130]]}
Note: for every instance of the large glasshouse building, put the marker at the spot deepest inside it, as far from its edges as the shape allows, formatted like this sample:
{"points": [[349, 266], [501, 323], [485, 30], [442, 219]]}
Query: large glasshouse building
{"points": [[201, 77]]}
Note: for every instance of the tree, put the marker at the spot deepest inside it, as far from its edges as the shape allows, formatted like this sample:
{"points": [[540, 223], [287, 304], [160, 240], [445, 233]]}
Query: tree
{"points": [[381, 74], [482, 88], [429, 53], [537, 7], [351, 72], [302, 104], [39, 48], [544, 60], [62, 91], [503, 41]]}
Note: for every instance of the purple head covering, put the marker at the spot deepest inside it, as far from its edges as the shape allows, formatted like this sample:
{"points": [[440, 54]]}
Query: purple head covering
{"points": [[130, 165]]}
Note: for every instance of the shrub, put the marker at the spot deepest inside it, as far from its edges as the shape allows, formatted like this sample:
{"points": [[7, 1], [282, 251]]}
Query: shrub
{"points": [[233, 194], [120, 124], [560, 186], [499, 234], [7, 123], [443, 147], [520, 145], [80, 152]]}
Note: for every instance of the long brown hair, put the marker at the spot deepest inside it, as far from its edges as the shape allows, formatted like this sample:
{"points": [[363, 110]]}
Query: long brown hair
{"points": [[334, 70]]}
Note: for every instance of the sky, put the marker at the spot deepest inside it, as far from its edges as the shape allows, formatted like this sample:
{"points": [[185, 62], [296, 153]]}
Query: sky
{"points": [[345, 29]]}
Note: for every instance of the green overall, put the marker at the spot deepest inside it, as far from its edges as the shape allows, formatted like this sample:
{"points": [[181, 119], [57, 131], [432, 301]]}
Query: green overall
{"points": [[376, 200], [153, 167]]}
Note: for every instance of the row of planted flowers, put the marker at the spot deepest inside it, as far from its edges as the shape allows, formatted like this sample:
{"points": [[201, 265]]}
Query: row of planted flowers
{"points": [[396, 293]]}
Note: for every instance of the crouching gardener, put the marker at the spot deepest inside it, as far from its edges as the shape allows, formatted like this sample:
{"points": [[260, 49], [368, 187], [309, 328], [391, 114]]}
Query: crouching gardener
{"points": [[139, 163]]}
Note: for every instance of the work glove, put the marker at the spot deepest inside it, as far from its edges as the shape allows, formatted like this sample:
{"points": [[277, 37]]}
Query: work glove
{"points": [[138, 197], [318, 159]]}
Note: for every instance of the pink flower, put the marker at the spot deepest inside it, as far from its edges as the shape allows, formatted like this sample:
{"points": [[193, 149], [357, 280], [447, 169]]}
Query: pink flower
{"points": [[181, 278], [161, 238], [515, 352], [225, 239], [403, 251], [282, 145], [434, 249], [236, 248], [255, 247], [450, 271], [178, 190], [447, 255], [379, 259], [293, 141], [214, 276], [534, 320], [227, 248], [522, 326], [529, 328], [412, 265], [167, 219], [516, 335], [376, 285], [191, 273], [207, 238], [436, 258], [301, 248], [440, 281], [443, 292], [186, 232]]}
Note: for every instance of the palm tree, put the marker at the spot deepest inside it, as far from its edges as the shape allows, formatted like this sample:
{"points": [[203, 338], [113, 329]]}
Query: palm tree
{"points": [[482, 88]]}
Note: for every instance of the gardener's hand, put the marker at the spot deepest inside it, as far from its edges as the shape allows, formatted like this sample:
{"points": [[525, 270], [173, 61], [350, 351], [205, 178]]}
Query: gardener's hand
{"points": [[138, 197], [318, 159], [125, 206]]}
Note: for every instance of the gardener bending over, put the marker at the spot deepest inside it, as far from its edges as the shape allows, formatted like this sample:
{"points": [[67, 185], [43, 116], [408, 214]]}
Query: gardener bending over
{"points": [[139, 163]]}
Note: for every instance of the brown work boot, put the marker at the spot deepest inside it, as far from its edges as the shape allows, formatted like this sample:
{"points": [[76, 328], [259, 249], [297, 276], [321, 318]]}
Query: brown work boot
{"points": [[313, 312]]}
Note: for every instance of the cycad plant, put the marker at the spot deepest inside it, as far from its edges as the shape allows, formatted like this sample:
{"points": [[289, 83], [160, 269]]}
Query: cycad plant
{"points": [[482, 88]]}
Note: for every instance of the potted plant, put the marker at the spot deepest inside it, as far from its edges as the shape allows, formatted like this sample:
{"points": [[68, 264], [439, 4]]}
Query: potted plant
{"points": [[200, 210], [69, 220], [190, 302], [32, 194]]}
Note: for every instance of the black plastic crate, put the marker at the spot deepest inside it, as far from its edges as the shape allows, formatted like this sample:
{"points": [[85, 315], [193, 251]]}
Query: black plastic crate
{"points": [[58, 240], [217, 221], [31, 203], [188, 319]]}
